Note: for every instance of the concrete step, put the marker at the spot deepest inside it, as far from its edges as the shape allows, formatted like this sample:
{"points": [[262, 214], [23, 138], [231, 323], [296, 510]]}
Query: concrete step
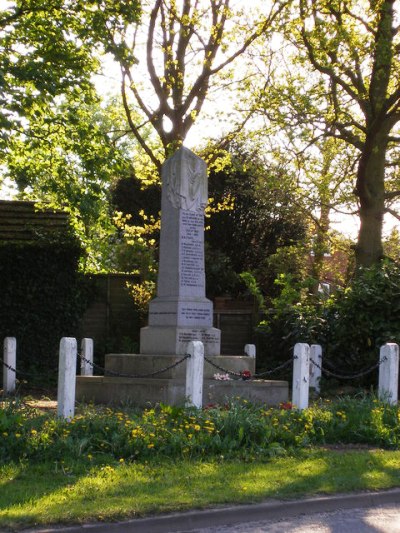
{"points": [[143, 392], [142, 365]]}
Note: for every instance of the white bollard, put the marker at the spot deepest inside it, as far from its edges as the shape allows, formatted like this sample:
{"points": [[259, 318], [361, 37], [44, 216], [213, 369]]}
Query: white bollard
{"points": [[10, 359], [194, 374], [250, 350], [389, 372], [67, 378], [301, 376], [87, 357], [315, 371]]}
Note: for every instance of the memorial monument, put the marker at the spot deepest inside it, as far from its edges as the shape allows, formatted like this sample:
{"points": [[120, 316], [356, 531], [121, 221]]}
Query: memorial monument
{"points": [[181, 312]]}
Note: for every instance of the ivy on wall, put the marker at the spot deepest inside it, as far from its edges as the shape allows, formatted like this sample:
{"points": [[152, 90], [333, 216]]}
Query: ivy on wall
{"points": [[43, 297]]}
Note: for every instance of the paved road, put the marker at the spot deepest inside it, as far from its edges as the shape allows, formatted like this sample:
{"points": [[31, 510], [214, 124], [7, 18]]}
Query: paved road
{"points": [[366, 512], [384, 519]]}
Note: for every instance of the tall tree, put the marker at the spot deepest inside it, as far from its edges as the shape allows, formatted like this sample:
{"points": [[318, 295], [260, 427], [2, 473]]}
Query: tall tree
{"points": [[353, 48], [263, 218], [49, 48], [188, 45], [56, 143]]}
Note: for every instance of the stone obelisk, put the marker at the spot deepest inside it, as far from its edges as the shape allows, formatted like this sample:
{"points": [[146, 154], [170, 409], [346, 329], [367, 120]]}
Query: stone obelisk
{"points": [[181, 312]]}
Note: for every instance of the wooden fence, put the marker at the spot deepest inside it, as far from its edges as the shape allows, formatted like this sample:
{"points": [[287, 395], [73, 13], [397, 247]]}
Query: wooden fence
{"points": [[22, 221]]}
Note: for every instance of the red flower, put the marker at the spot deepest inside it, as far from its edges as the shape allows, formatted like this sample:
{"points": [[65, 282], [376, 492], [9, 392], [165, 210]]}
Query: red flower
{"points": [[245, 374], [286, 405]]}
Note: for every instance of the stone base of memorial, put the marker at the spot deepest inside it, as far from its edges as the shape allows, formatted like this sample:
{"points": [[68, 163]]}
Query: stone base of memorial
{"points": [[180, 313], [169, 387], [158, 339], [174, 322]]}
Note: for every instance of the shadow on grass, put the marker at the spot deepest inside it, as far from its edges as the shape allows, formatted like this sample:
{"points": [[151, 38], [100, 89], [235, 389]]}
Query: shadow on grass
{"points": [[39, 495]]}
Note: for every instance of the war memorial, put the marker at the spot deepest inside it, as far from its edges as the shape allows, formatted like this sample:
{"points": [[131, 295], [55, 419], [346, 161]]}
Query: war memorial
{"points": [[180, 313]]}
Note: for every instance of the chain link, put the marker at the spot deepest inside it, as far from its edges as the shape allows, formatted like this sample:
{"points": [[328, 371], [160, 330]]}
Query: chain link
{"points": [[349, 376], [239, 374], [121, 375], [14, 369], [8, 366], [279, 367], [230, 372]]}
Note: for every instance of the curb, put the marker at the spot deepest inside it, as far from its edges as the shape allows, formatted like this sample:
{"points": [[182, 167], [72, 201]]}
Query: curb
{"points": [[176, 522]]}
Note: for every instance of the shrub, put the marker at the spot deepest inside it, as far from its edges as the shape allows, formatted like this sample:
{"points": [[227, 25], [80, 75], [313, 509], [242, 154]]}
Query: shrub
{"points": [[363, 317], [351, 325], [42, 298], [235, 430]]}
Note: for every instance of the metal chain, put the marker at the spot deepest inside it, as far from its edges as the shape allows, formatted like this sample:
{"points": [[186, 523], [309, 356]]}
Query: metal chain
{"points": [[14, 369], [230, 372], [239, 374], [348, 376], [283, 365], [120, 375], [8, 366]]}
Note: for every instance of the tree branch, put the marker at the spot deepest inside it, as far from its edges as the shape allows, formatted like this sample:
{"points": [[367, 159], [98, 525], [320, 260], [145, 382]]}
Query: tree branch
{"points": [[391, 194], [135, 130], [155, 81], [392, 212], [325, 69]]}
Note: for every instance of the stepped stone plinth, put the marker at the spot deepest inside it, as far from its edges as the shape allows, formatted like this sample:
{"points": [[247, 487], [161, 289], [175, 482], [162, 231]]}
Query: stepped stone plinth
{"points": [[180, 313]]}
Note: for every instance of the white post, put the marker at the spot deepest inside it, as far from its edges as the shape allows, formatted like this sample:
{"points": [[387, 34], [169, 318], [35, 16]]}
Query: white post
{"points": [[67, 378], [389, 372], [87, 357], [10, 359], [315, 371], [250, 350], [301, 371], [194, 374]]}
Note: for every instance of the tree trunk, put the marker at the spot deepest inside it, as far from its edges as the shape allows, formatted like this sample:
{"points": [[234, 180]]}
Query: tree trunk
{"points": [[371, 192], [321, 246]]}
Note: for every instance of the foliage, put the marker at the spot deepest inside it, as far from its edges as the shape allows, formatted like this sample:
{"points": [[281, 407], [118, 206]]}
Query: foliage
{"points": [[363, 317], [352, 50], [297, 315], [188, 47], [351, 325], [392, 245], [264, 219], [253, 289], [43, 298], [235, 430], [48, 50], [67, 158], [58, 144]]}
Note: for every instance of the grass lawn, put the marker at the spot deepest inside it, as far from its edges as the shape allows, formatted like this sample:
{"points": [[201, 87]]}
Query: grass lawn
{"points": [[107, 464], [38, 494]]}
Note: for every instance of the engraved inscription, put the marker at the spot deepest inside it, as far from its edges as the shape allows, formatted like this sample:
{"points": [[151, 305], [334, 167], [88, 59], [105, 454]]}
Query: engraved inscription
{"points": [[192, 250], [204, 337], [193, 313]]}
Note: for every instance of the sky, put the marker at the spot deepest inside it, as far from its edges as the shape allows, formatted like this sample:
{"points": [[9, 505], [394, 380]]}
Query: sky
{"points": [[110, 83]]}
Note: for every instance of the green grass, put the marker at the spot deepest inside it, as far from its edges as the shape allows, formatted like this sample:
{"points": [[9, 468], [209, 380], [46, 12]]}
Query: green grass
{"points": [[109, 464], [45, 494], [237, 430]]}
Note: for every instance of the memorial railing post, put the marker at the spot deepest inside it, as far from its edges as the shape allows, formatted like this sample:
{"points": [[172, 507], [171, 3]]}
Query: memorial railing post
{"points": [[67, 378], [10, 360], [194, 374], [389, 373], [301, 376]]}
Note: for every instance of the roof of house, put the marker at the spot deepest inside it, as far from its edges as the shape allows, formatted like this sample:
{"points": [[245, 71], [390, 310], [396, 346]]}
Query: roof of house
{"points": [[22, 221]]}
